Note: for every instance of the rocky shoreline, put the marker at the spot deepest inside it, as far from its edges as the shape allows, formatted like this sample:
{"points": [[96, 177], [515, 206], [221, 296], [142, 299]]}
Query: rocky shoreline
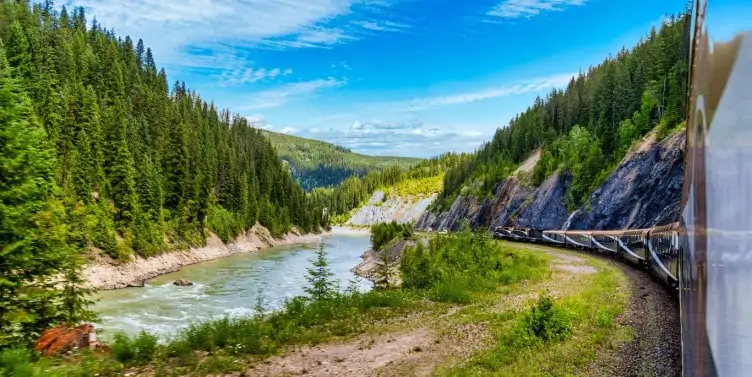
{"points": [[105, 274]]}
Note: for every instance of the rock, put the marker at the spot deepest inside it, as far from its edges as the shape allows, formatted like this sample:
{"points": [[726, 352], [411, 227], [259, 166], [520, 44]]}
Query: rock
{"points": [[381, 209], [182, 282], [136, 284], [643, 191], [62, 339], [372, 266]]}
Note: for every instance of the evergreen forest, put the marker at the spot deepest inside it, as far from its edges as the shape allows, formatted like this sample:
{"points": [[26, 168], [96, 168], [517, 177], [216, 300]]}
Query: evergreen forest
{"points": [[587, 128], [315, 163]]}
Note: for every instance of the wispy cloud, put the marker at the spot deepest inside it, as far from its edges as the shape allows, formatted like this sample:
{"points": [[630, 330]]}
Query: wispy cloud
{"points": [[528, 86], [279, 96], [250, 75], [382, 25], [188, 32], [530, 8], [413, 138]]}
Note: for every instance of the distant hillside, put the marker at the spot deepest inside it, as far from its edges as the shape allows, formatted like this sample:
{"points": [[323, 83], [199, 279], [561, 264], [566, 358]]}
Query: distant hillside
{"points": [[316, 163]]}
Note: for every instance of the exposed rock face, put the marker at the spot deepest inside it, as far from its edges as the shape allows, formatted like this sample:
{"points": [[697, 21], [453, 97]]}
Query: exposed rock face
{"points": [[402, 210], [372, 266], [643, 191]]}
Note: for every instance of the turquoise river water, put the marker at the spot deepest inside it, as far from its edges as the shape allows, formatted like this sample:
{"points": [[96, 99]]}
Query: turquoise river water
{"points": [[228, 286]]}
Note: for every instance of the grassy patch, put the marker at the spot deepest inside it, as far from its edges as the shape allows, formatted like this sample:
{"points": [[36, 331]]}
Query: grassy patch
{"points": [[456, 282], [552, 337]]}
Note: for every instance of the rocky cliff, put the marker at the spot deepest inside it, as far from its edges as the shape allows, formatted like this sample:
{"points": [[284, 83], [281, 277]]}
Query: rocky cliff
{"points": [[643, 191], [381, 209]]}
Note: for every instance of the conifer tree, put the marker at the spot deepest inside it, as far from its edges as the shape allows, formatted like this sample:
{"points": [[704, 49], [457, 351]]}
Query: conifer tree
{"points": [[321, 286], [33, 233]]}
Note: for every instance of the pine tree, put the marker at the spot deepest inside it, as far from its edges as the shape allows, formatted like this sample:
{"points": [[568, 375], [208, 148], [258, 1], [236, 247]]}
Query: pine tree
{"points": [[33, 233], [319, 277]]}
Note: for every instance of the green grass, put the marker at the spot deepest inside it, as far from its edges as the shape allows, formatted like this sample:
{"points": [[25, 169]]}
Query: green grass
{"points": [[551, 337], [458, 280]]}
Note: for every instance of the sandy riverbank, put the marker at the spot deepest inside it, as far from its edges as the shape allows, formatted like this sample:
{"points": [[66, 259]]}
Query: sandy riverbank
{"points": [[107, 274]]}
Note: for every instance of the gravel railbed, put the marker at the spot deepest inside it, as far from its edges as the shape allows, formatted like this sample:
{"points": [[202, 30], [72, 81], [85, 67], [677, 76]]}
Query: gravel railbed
{"points": [[654, 315]]}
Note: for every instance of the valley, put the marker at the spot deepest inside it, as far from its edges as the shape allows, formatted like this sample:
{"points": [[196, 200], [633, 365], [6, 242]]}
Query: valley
{"points": [[147, 231]]}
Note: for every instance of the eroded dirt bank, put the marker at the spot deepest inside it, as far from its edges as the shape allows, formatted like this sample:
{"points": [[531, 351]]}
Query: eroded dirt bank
{"points": [[104, 273]]}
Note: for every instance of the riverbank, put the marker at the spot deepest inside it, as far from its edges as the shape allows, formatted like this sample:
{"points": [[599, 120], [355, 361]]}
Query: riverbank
{"points": [[104, 273]]}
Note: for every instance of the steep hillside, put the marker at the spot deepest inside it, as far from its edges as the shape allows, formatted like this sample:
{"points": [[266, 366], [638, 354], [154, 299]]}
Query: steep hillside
{"points": [[405, 202], [586, 128], [643, 191], [592, 157], [316, 163]]}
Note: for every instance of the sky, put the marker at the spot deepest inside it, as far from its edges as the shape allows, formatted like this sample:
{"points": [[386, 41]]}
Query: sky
{"points": [[385, 77]]}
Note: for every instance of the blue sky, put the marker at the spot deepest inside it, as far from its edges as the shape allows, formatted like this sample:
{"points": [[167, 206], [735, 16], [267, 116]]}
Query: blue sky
{"points": [[384, 77]]}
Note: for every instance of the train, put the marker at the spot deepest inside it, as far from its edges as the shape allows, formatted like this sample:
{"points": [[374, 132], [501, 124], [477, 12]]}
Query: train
{"points": [[657, 250]]}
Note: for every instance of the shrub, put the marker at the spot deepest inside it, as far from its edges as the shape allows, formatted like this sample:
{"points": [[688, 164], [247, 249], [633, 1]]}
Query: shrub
{"points": [[547, 322], [383, 233], [138, 350], [464, 262]]}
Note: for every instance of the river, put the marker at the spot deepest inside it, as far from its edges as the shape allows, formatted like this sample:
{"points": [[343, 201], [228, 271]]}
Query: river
{"points": [[227, 286]]}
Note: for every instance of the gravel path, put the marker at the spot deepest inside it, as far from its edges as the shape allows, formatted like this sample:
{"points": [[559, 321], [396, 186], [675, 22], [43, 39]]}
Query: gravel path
{"points": [[654, 316]]}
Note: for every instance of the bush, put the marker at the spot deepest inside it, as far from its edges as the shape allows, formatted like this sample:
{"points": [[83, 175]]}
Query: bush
{"points": [[16, 363], [383, 233], [138, 350], [452, 290], [547, 322], [453, 265]]}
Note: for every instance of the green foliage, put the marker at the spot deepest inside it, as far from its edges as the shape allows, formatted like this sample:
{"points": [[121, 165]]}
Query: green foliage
{"points": [[315, 163], [37, 243], [465, 262], [137, 160], [319, 277], [614, 104], [384, 233], [418, 179], [547, 322], [454, 290], [16, 363], [223, 223], [138, 350]]}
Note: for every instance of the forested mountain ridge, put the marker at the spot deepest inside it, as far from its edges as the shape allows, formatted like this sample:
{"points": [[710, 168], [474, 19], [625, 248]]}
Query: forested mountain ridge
{"points": [[354, 192], [141, 166], [585, 129], [315, 163]]}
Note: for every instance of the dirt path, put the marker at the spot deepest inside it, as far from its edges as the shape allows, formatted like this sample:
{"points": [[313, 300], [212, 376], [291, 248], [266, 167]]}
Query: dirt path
{"points": [[417, 351], [435, 341], [653, 315]]}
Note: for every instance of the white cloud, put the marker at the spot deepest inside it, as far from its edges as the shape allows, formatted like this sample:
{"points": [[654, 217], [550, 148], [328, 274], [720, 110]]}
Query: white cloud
{"points": [[206, 33], [530, 8], [381, 25], [413, 138], [289, 130], [534, 85], [277, 97], [250, 75]]}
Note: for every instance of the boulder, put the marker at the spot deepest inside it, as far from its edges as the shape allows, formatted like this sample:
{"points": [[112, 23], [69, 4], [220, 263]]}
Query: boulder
{"points": [[182, 282]]}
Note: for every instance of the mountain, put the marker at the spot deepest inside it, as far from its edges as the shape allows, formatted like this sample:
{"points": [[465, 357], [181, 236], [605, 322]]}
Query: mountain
{"points": [[559, 161], [140, 166], [315, 163]]}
